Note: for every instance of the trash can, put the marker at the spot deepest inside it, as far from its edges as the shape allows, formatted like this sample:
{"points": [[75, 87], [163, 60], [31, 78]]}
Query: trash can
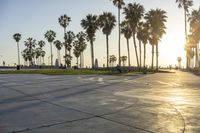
{"points": [[18, 67]]}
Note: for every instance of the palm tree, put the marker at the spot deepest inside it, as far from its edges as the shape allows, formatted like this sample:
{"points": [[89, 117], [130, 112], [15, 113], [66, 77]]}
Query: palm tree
{"points": [[81, 37], [194, 20], [43, 54], [91, 25], [185, 4], [107, 23], [69, 37], [126, 30], [119, 4], [112, 60], [133, 14], [41, 44], [30, 46], [50, 36], [58, 45], [64, 21], [17, 38], [179, 59], [123, 59], [77, 52], [139, 37], [156, 20]]}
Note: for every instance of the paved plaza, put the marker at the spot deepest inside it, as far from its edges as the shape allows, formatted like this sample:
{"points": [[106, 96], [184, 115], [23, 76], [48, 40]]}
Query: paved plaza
{"points": [[155, 103]]}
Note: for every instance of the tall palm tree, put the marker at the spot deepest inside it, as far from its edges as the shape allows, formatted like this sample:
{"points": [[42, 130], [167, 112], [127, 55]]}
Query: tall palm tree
{"points": [[50, 36], [41, 44], [119, 4], [58, 45], [185, 4], [81, 37], [133, 14], [91, 25], [194, 20], [77, 51], [156, 20], [126, 30], [107, 23], [64, 21], [17, 38], [139, 37], [69, 37], [30, 45]]}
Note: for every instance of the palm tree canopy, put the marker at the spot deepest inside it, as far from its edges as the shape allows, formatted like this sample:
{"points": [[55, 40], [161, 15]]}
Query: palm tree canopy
{"points": [[81, 38], [64, 20], [143, 32], [118, 3], [17, 37], [58, 44], [107, 22], [123, 58], [156, 21], [30, 43], [50, 36], [194, 20], [133, 14], [76, 49], [91, 25], [126, 29], [69, 37], [185, 4], [41, 43]]}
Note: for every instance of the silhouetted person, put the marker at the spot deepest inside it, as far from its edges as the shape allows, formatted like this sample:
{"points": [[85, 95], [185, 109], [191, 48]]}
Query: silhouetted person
{"points": [[4, 63]]}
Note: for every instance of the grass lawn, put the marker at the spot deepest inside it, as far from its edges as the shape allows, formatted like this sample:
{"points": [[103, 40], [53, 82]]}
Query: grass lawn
{"points": [[55, 72], [74, 72]]}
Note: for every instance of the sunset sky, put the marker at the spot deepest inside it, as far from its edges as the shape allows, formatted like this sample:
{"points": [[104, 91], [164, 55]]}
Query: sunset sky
{"points": [[32, 18]]}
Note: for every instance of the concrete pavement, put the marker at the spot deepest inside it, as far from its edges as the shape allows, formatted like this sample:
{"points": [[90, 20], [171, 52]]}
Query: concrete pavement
{"points": [[160, 103]]}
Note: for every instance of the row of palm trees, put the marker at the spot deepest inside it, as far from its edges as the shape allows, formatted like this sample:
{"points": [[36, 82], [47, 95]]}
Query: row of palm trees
{"points": [[193, 38], [146, 27]]}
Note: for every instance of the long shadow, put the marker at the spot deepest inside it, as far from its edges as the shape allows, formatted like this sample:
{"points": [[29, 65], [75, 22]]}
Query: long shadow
{"points": [[7, 111], [21, 98]]}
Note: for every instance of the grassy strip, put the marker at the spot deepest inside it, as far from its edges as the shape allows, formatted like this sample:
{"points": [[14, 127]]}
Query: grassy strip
{"points": [[55, 72], [78, 72]]}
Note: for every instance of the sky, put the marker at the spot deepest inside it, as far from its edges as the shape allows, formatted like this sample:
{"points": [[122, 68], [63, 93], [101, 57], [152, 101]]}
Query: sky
{"points": [[32, 18]]}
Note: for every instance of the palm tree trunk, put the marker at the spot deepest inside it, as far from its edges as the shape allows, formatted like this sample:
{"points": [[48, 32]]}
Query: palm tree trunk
{"points": [[107, 46], [119, 36], [65, 57], [43, 60], [157, 57], [77, 61], [92, 53], [187, 59], [58, 57], [196, 61], [144, 61], [152, 60], [18, 53], [129, 64], [51, 55], [70, 58], [80, 60], [140, 53], [136, 54]]}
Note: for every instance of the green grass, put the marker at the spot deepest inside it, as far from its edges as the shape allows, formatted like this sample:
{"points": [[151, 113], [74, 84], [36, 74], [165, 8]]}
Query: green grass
{"points": [[55, 72], [76, 72]]}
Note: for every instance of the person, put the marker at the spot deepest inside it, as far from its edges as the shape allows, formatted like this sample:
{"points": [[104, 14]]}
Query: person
{"points": [[4, 63]]}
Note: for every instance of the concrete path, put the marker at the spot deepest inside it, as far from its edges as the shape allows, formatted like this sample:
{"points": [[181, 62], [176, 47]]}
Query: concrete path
{"points": [[157, 103]]}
